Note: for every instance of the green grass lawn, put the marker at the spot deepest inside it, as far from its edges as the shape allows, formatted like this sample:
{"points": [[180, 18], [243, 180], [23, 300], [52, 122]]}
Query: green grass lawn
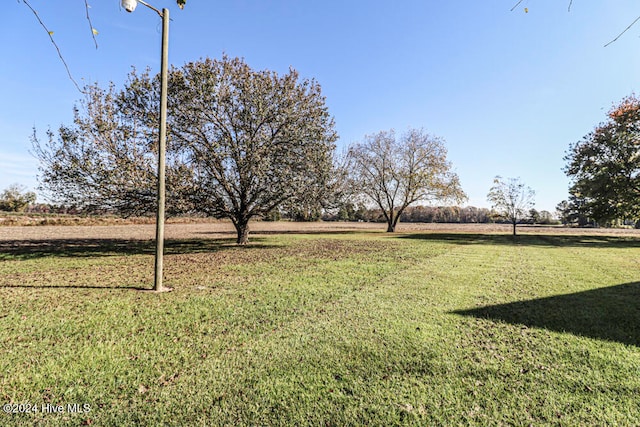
{"points": [[326, 329]]}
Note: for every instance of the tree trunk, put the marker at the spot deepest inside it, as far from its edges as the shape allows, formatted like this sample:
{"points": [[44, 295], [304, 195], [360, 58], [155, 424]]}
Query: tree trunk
{"points": [[514, 229], [242, 230], [391, 222]]}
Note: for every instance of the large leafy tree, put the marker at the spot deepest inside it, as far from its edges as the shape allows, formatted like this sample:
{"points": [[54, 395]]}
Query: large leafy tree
{"points": [[255, 140], [605, 165], [240, 143], [395, 172], [512, 199]]}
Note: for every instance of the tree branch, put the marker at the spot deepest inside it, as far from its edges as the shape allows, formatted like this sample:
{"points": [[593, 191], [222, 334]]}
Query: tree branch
{"points": [[516, 5], [50, 33], [93, 30], [625, 30], [569, 9]]}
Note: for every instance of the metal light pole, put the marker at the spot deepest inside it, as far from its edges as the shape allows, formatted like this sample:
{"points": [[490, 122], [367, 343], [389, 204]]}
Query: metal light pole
{"points": [[129, 6]]}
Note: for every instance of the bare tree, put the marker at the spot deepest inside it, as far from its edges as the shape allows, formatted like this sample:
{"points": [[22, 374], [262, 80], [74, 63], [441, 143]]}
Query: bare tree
{"points": [[395, 172], [511, 199]]}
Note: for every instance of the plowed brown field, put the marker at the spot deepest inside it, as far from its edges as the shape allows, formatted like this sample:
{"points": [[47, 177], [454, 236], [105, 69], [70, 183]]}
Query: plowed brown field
{"points": [[217, 230]]}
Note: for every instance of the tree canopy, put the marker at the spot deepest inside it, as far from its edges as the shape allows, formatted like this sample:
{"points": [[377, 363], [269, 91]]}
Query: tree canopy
{"points": [[254, 139], [15, 198], [605, 166], [240, 143], [395, 172]]}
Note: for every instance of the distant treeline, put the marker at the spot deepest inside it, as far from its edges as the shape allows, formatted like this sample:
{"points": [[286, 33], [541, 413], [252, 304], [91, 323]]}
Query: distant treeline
{"points": [[358, 213], [433, 214], [45, 208]]}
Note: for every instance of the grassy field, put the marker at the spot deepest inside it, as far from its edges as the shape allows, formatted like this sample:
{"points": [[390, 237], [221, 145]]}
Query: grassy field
{"points": [[320, 327]]}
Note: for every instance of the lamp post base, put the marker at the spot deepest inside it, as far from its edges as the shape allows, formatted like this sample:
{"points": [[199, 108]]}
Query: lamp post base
{"points": [[157, 291]]}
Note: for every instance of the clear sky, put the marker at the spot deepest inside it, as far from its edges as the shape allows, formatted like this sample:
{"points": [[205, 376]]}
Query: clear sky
{"points": [[508, 91]]}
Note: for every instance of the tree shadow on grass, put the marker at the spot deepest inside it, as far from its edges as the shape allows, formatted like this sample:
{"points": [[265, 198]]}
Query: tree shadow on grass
{"points": [[611, 313], [550, 240], [287, 232], [75, 287], [32, 249]]}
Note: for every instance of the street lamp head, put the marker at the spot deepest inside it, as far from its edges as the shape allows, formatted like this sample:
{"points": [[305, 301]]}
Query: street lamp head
{"points": [[129, 5]]}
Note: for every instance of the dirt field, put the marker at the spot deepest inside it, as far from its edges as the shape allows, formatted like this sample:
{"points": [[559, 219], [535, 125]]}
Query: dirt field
{"points": [[221, 229]]}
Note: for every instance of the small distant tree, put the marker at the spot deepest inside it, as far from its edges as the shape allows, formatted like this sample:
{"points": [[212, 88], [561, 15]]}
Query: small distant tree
{"points": [[349, 211], [15, 199], [512, 199], [563, 212], [546, 218], [396, 172]]}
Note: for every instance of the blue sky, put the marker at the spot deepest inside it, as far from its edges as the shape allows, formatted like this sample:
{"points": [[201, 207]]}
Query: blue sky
{"points": [[508, 91]]}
